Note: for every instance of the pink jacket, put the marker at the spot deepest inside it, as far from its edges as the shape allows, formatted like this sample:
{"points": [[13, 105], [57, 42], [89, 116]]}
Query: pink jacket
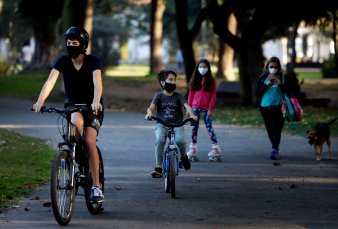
{"points": [[202, 99]]}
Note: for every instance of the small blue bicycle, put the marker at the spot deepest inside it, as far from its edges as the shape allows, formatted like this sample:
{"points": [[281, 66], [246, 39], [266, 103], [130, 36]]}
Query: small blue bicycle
{"points": [[171, 163]]}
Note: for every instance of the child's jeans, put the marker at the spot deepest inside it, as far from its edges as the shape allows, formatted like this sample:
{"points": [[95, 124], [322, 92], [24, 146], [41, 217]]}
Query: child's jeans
{"points": [[161, 138]]}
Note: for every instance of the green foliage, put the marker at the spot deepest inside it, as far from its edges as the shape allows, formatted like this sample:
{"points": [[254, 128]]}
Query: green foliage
{"points": [[27, 85], [309, 75], [25, 164], [328, 69]]}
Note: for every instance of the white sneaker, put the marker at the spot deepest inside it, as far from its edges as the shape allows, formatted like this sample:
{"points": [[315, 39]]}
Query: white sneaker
{"points": [[97, 195]]}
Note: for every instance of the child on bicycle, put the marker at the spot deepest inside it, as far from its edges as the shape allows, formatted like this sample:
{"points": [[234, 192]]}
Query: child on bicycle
{"points": [[83, 85], [167, 105], [202, 98]]}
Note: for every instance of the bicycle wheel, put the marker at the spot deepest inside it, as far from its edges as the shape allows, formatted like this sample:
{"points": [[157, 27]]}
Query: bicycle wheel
{"points": [[172, 173], [62, 194], [94, 207]]}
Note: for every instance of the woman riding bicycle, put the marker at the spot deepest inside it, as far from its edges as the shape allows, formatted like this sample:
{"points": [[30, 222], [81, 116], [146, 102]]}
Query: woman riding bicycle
{"points": [[83, 85], [168, 106]]}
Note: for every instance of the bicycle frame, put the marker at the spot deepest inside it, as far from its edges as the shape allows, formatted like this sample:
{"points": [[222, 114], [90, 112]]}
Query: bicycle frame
{"points": [[66, 175], [171, 148]]}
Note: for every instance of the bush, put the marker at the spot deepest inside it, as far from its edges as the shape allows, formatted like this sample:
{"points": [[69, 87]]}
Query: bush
{"points": [[329, 69]]}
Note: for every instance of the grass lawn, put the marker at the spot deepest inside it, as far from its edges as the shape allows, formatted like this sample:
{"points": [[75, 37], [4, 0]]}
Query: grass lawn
{"points": [[25, 164]]}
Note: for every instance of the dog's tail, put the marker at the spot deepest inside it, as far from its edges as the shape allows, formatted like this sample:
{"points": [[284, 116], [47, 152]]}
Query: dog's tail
{"points": [[332, 121]]}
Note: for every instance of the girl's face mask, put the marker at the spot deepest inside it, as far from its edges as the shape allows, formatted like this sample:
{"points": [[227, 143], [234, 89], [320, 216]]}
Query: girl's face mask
{"points": [[202, 70], [273, 70]]}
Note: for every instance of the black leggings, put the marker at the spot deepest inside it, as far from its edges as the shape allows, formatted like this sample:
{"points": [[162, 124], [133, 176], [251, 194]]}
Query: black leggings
{"points": [[274, 122]]}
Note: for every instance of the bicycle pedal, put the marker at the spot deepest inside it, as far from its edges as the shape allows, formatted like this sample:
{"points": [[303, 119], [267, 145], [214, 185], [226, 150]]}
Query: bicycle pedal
{"points": [[96, 201], [156, 175]]}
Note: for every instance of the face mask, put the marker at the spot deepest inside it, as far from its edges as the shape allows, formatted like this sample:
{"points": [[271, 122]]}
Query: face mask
{"points": [[74, 51], [169, 87], [202, 71], [273, 70]]}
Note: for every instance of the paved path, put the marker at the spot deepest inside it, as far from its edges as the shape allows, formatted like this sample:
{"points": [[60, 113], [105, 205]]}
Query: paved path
{"points": [[247, 190]]}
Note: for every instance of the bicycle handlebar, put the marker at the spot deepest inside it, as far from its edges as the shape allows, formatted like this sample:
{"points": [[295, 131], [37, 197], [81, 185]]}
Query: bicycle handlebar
{"points": [[191, 120], [72, 109]]}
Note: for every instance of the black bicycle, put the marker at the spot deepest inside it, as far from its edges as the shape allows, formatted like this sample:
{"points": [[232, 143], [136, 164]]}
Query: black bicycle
{"points": [[171, 162], [70, 168]]}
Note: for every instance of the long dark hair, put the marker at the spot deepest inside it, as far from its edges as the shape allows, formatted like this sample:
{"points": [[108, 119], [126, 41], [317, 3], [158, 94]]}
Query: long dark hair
{"points": [[195, 83]]}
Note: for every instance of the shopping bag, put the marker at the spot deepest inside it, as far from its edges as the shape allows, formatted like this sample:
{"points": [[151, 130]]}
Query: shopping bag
{"points": [[292, 111]]}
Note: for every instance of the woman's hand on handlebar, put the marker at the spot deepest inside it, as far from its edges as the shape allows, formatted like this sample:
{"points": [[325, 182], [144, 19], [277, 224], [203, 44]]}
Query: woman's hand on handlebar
{"points": [[37, 107]]}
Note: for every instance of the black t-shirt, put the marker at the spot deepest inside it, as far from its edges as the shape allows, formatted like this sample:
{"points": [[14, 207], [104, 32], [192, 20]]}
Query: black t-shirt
{"points": [[169, 108], [79, 85]]}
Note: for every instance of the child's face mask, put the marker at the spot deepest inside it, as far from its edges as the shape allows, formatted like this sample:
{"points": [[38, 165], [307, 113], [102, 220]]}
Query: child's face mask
{"points": [[273, 70], [169, 87], [202, 70]]}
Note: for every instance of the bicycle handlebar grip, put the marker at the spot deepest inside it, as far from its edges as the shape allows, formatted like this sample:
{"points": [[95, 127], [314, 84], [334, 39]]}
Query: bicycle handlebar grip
{"points": [[42, 109]]}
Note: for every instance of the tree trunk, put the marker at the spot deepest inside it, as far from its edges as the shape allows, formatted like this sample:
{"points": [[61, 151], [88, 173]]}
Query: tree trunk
{"points": [[156, 35], [292, 46], [74, 13], [46, 48], [228, 60], [220, 64], [185, 38], [334, 37], [88, 23], [249, 65]]}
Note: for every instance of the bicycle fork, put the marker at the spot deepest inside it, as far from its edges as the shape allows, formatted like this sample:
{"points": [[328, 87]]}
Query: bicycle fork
{"points": [[72, 169], [172, 149]]}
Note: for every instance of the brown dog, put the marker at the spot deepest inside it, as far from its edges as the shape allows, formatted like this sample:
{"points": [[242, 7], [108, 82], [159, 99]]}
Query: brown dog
{"points": [[318, 135]]}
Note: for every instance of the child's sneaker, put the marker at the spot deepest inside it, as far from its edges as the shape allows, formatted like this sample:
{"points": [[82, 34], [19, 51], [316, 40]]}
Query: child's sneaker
{"points": [[157, 172], [192, 153], [97, 195], [274, 155], [215, 153], [186, 162]]}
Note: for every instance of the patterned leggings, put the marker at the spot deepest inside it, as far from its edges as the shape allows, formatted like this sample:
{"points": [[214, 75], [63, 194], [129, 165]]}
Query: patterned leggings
{"points": [[208, 124]]}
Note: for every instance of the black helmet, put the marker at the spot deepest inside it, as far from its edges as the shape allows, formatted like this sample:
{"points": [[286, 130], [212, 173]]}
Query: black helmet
{"points": [[79, 34]]}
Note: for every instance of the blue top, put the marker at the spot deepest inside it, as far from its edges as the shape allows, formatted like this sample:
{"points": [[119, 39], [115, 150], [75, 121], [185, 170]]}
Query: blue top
{"points": [[272, 97]]}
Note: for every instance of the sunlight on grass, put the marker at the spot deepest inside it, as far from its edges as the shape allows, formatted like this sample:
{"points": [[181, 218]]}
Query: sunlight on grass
{"points": [[128, 70], [303, 73], [142, 70]]}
